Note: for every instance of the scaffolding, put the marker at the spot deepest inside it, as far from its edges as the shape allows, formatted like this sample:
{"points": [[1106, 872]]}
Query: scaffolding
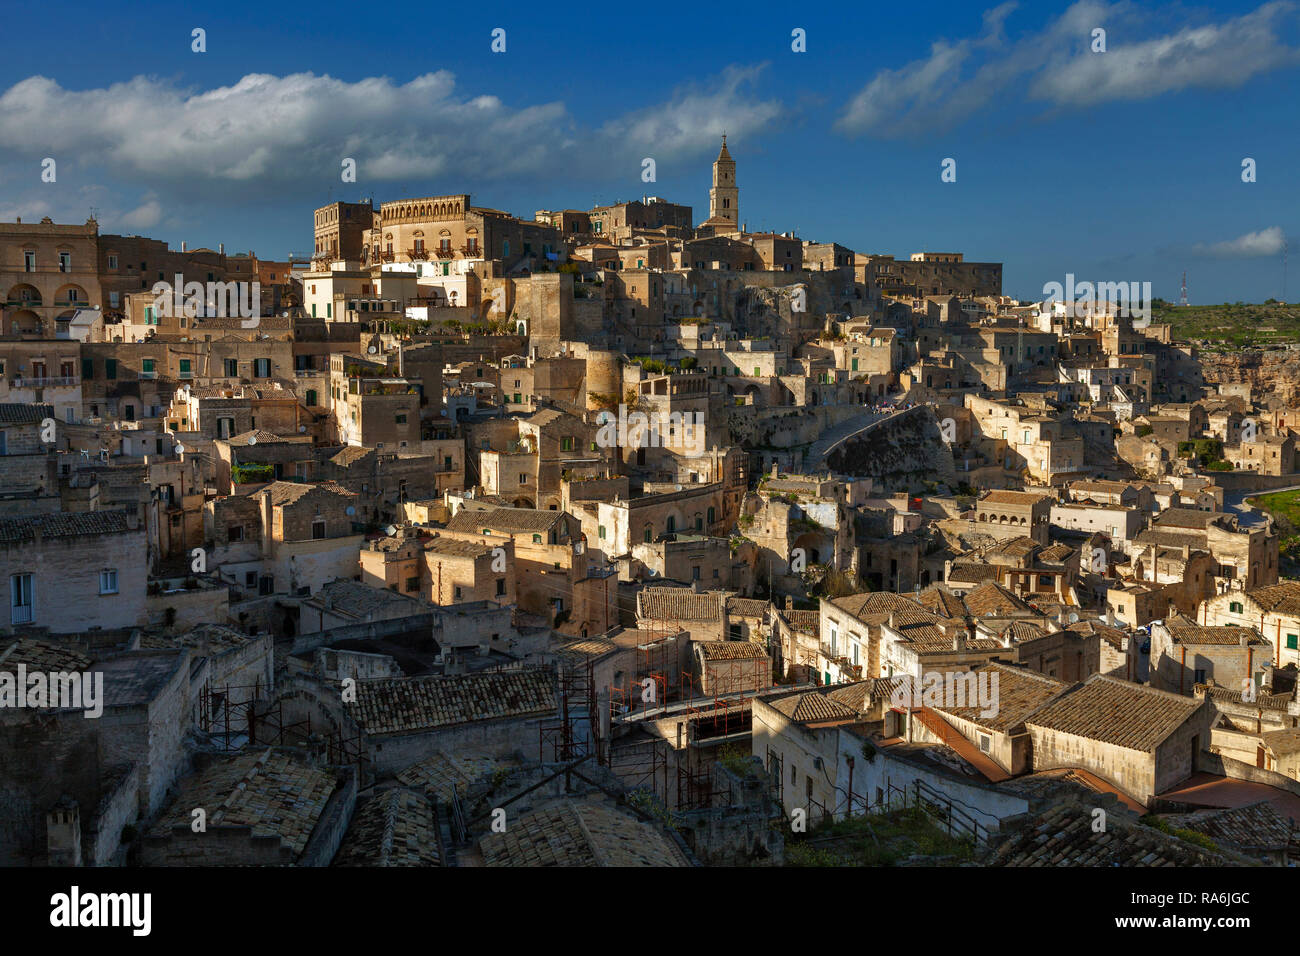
{"points": [[575, 732], [235, 716]]}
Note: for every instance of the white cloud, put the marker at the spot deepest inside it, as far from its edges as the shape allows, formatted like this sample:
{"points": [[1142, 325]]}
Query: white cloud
{"points": [[144, 216], [1252, 245], [695, 117], [1214, 56], [269, 135], [962, 79]]}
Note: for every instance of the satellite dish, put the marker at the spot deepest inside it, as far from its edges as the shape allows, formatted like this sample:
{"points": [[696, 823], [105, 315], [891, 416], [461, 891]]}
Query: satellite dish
{"points": [[252, 439], [302, 428], [179, 448], [372, 350], [350, 511], [390, 530], [1074, 617]]}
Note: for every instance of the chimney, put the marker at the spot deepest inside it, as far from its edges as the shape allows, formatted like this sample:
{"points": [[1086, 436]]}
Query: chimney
{"points": [[789, 602], [63, 833], [221, 248], [184, 246]]}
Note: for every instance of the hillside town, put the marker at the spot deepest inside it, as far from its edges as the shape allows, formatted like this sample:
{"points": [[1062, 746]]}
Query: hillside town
{"points": [[626, 536]]}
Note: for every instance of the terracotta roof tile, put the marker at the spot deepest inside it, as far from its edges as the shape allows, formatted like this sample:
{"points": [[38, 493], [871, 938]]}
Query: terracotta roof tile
{"points": [[1117, 712], [410, 704]]}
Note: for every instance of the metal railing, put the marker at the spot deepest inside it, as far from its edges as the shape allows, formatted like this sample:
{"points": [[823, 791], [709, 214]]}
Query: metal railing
{"points": [[44, 381]]}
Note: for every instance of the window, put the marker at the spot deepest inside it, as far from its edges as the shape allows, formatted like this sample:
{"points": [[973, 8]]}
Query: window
{"points": [[112, 263], [262, 368], [110, 368], [413, 584], [266, 585], [985, 743], [523, 479], [318, 529], [185, 371], [147, 368], [250, 579], [29, 261], [235, 533], [1234, 607], [232, 368], [108, 581], [501, 586], [457, 593], [1292, 642], [20, 599], [600, 532], [566, 444], [399, 419], [65, 262], [87, 368]]}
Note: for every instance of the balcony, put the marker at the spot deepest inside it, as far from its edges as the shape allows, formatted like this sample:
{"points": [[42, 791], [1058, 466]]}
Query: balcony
{"points": [[417, 254], [45, 381]]}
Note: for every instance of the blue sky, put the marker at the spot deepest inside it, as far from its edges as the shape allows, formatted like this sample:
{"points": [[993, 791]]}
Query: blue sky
{"points": [[1122, 165]]}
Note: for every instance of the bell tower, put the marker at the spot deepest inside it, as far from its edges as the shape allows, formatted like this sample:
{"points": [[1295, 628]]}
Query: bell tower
{"points": [[724, 197]]}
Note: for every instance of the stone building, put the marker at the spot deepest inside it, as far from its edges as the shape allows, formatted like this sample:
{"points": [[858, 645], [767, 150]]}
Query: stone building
{"points": [[1272, 611], [1143, 740], [70, 569], [1184, 655]]}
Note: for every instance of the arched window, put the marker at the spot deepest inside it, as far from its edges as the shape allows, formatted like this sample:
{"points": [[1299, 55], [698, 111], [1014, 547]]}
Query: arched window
{"points": [[712, 513]]}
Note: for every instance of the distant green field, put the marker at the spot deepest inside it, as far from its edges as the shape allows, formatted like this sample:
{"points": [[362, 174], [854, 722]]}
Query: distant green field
{"points": [[1231, 326], [1284, 506]]}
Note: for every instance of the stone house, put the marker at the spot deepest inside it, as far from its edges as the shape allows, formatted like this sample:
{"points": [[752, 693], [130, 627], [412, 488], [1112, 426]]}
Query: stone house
{"points": [[1184, 655], [1143, 740]]}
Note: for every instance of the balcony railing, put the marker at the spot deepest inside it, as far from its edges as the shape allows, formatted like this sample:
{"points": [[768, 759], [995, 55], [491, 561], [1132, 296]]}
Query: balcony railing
{"points": [[45, 381], [418, 254]]}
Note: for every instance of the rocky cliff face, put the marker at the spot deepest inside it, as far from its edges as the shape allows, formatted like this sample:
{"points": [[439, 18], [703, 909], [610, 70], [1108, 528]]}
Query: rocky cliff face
{"points": [[900, 454], [1274, 375]]}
